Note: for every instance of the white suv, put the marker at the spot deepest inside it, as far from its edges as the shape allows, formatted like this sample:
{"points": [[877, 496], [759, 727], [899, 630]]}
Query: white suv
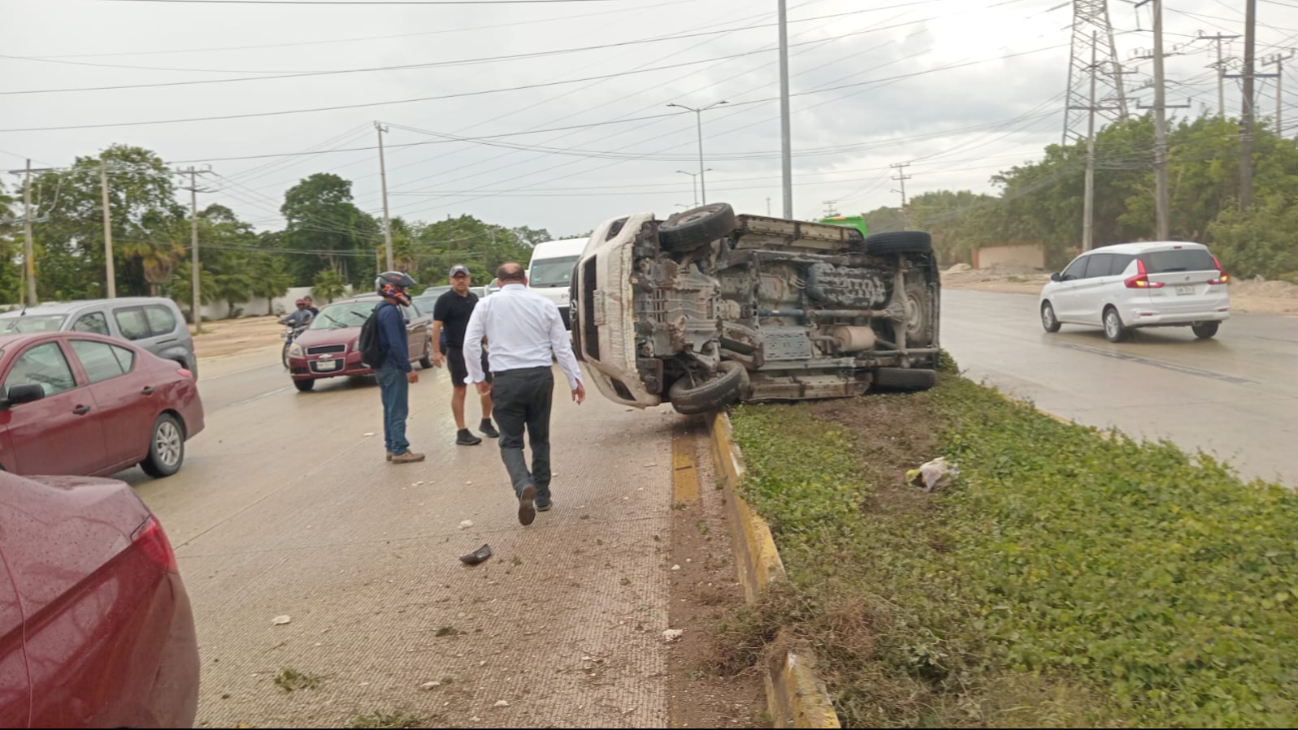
{"points": [[1135, 285]]}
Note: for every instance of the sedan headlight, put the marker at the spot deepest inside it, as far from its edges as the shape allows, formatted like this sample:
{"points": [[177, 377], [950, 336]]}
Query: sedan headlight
{"points": [[355, 346], [296, 351]]}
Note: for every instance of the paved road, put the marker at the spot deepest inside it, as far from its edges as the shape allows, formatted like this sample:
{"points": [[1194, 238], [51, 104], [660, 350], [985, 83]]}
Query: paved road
{"points": [[286, 507], [1235, 396]]}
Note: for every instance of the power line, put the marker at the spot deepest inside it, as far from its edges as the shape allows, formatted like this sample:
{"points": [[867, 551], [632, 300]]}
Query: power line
{"points": [[363, 2], [433, 64]]}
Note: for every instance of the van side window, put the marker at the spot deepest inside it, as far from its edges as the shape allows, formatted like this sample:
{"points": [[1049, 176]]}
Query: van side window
{"points": [[1120, 263], [1099, 266], [161, 320], [1075, 270], [133, 324], [93, 323]]}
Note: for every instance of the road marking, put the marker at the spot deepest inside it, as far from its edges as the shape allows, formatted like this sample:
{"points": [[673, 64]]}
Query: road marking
{"points": [[1187, 370], [685, 472]]}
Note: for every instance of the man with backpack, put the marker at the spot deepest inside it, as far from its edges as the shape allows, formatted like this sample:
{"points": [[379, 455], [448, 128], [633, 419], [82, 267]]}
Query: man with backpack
{"points": [[386, 348]]}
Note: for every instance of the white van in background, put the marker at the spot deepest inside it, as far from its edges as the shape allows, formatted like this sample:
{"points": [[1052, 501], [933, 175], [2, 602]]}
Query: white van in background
{"points": [[550, 273]]}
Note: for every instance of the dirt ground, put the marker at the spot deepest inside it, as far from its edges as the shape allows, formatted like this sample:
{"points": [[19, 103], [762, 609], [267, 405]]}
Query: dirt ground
{"points": [[235, 336], [705, 590], [1246, 296]]}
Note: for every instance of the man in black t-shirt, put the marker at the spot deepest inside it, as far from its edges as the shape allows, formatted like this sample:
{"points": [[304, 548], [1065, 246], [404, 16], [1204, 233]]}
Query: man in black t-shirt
{"points": [[451, 313]]}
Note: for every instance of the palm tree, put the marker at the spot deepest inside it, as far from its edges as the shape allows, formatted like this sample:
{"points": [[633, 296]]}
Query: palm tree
{"points": [[157, 259], [329, 285]]}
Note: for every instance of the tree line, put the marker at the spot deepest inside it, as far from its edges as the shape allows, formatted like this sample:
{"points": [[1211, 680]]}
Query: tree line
{"points": [[1041, 202], [327, 242]]}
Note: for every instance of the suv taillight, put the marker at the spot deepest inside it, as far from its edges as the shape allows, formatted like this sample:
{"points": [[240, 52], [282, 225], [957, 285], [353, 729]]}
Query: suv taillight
{"points": [[153, 543], [1222, 277], [1141, 279]]}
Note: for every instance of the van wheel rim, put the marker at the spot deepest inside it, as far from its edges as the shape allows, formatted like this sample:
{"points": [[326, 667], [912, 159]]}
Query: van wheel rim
{"points": [[1111, 324], [1048, 316], [167, 444]]}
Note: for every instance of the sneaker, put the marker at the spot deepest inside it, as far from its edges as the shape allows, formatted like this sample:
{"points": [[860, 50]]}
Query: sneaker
{"points": [[389, 456], [409, 457], [466, 438], [527, 506], [489, 430], [544, 506]]}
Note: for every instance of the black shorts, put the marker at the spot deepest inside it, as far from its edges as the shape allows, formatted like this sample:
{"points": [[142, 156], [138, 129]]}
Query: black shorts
{"points": [[460, 371]]}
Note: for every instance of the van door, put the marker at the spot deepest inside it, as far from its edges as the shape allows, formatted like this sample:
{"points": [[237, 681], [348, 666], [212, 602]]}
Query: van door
{"points": [[1064, 298], [1185, 274], [1089, 292]]}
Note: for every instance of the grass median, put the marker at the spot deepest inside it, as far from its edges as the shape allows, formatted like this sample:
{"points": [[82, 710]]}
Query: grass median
{"points": [[1067, 578]]}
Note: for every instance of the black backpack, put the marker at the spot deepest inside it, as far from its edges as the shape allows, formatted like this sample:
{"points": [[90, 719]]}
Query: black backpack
{"points": [[372, 353]]}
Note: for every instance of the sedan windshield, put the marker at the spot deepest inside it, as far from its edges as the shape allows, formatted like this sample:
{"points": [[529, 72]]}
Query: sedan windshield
{"points": [[551, 273], [27, 324], [341, 316]]}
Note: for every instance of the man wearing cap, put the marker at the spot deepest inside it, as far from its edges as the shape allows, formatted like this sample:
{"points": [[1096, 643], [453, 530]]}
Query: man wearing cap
{"points": [[451, 314]]}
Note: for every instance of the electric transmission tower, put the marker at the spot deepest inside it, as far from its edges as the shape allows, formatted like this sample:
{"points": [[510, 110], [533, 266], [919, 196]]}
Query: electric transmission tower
{"points": [[1092, 17]]}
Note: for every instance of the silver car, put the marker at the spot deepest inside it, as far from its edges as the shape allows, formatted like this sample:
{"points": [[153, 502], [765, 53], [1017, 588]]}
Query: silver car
{"points": [[152, 323]]}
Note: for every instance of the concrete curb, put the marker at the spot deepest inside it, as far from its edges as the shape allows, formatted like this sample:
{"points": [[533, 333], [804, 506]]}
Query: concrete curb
{"points": [[795, 696]]}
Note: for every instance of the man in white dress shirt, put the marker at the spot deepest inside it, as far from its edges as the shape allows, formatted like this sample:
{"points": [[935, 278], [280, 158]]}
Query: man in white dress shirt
{"points": [[526, 333]]}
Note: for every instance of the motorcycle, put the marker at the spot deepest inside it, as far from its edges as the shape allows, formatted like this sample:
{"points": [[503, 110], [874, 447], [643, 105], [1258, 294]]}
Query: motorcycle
{"points": [[290, 335]]}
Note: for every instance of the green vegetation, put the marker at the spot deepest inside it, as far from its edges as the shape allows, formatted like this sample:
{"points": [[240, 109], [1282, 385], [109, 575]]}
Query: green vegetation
{"points": [[291, 680], [1069, 577], [386, 721], [1040, 202]]}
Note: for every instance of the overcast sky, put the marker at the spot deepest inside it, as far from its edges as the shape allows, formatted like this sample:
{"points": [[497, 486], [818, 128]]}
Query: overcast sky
{"points": [[853, 115]]}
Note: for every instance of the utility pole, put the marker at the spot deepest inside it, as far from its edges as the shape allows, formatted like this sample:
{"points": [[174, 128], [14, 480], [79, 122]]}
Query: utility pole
{"points": [[1278, 60], [768, 207], [109, 264], [1088, 220], [902, 177], [1091, 17], [703, 180], [1221, 69], [1163, 200], [195, 267], [695, 180], [786, 116], [29, 254], [387, 216], [1246, 137], [831, 208]]}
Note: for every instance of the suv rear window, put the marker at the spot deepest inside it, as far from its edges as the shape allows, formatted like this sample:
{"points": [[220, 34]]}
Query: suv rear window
{"points": [[1186, 259]]}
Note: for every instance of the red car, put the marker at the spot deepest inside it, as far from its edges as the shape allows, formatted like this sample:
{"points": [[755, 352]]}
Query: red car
{"points": [[79, 404], [96, 630], [330, 349]]}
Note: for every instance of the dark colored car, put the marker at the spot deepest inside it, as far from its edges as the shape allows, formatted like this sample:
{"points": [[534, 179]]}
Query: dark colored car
{"points": [[330, 347], [96, 629], [87, 405]]}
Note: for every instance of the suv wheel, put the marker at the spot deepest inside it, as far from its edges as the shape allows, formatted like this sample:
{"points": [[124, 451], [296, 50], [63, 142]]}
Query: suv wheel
{"points": [[693, 229], [907, 379], [882, 244], [166, 448], [727, 388], [1206, 330], [426, 362], [1048, 318], [1114, 329]]}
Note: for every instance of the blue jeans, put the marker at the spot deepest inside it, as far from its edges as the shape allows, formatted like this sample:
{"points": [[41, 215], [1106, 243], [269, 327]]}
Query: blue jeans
{"points": [[395, 389]]}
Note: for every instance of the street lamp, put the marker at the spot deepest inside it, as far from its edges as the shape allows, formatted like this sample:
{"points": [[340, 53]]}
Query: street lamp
{"points": [[703, 180], [695, 179]]}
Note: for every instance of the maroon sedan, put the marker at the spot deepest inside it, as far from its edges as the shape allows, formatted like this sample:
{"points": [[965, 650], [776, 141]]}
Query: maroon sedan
{"points": [[96, 629], [330, 348], [73, 403]]}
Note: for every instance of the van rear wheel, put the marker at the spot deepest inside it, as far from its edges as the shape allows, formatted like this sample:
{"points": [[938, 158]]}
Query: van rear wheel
{"points": [[1206, 330]]}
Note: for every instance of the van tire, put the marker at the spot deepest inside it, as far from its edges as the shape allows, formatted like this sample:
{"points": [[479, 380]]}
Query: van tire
{"points": [[166, 448], [726, 389], [905, 379], [1205, 330], [899, 242], [1049, 320], [1114, 329], [696, 228]]}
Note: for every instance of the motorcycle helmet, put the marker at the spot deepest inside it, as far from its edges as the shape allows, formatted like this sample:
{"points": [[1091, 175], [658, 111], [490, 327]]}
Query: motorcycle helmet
{"points": [[393, 284]]}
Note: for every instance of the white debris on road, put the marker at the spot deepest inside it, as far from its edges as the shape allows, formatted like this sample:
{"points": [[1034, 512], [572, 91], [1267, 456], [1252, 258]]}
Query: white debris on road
{"points": [[281, 620], [671, 635]]}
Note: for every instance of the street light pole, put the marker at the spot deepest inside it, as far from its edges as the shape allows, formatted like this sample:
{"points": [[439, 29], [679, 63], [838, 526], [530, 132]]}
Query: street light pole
{"points": [[387, 217], [703, 180], [786, 123], [695, 180]]}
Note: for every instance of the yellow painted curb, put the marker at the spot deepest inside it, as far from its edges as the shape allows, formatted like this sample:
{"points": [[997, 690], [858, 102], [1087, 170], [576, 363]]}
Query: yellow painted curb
{"points": [[795, 696]]}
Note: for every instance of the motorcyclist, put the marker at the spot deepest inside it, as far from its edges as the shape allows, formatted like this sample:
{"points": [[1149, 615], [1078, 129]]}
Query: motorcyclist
{"points": [[299, 319]]}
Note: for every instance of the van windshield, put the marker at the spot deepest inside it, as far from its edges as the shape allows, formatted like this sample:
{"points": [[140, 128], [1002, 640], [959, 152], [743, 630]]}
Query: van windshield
{"points": [[550, 273], [1170, 262], [30, 323]]}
